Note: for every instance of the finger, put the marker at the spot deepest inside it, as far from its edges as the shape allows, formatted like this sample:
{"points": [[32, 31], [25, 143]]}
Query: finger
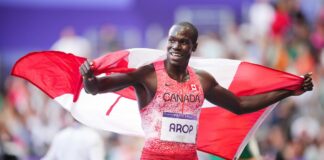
{"points": [[308, 74], [83, 70], [308, 80], [307, 84], [88, 62], [87, 65], [308, 87]]}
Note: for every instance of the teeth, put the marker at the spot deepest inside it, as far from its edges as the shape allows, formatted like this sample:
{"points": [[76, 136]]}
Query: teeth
{"points": [[177, 55]]}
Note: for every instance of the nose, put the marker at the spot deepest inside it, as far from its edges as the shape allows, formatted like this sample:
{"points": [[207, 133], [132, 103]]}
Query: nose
{"points": [[176, 45]]}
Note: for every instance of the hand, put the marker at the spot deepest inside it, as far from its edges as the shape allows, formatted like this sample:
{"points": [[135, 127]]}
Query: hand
{"points": [[89, 79], [307, 84], [86, 71]]}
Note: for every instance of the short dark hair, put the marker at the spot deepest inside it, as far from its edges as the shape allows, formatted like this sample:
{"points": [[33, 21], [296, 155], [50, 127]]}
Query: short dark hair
{"points": [[192, 28]]}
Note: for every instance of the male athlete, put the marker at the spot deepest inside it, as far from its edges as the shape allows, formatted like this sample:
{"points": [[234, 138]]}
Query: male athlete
{"points": [[170, 95]]}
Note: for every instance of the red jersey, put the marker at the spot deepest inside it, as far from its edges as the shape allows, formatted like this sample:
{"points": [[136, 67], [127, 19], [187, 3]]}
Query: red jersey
{"points": [[170, 120]]}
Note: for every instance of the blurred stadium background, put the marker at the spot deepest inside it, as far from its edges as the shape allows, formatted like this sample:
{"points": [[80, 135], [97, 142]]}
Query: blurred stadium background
{"points": [[284, 34]]}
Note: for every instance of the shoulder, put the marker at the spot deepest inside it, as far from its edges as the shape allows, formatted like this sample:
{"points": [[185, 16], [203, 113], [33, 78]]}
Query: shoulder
{"points": [[206, 79], [145, 70], [144, 73], [204, 75]]}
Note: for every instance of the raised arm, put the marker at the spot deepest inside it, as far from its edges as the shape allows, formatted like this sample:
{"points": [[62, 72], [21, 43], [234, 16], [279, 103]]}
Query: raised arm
{"points": [[113, 82], [245, 104]]}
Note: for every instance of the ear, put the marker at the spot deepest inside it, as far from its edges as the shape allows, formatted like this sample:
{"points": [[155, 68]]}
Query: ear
{"points": [[194, 47]]}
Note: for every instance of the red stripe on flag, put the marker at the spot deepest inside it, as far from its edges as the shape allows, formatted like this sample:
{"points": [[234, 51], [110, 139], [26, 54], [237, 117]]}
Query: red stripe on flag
{"points": [[112, 62], [55, 73], [113, 105], [253, 79], [116, 62], [222, 132]]}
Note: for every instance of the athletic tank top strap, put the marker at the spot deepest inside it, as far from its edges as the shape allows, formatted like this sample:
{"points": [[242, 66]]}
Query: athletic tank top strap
{"points": [[193, 76], [158, 65], [163, 75]]}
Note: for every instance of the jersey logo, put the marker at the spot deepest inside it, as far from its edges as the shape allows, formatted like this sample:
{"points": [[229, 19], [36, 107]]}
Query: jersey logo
{"points": [[193, 87]]}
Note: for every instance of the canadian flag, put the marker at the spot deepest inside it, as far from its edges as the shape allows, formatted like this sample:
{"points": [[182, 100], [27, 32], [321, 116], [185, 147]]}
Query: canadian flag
{"points": [[220, 132]]}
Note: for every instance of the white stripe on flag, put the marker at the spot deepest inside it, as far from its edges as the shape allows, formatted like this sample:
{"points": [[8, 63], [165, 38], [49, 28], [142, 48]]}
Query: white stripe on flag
{"points": [[139, 56], [223, 70], [91, 110]]}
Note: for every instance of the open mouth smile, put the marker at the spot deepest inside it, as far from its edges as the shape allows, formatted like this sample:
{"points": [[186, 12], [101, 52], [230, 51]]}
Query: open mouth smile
{"points": [[176, 54]]}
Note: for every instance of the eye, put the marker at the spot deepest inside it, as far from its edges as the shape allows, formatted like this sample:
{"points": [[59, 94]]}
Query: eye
{"points": [[171, 40], [185, 42]]}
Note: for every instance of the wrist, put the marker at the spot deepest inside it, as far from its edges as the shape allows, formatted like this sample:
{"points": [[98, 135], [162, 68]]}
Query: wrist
{"points": [[298, 92], [90, 84]]}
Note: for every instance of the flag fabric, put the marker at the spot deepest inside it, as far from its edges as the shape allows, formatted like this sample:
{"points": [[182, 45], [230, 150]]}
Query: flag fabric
{"points": [[220, 132]]}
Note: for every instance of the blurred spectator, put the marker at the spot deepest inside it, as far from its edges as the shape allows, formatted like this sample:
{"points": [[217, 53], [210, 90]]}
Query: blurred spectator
{"points": [[249, 47], [162, 44], [281, 20], [14, 133], [233, 42], [153, 35], [76, 142], [131, 38], [317, 36], [69, 42], [108, 39], [125, 147], [44, 123], [305, 129], [6, 144], [261, 16], [210, 46]]}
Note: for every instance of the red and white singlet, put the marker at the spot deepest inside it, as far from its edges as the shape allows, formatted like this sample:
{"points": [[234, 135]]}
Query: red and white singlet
{"points": [[170, 120]]}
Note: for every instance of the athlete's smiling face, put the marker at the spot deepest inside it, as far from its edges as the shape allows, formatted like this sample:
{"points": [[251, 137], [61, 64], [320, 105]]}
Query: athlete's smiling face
{"points": [[181, 44]]}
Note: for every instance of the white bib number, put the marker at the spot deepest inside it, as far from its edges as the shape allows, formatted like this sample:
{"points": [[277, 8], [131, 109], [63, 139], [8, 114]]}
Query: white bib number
{"points": [[178, 127]]}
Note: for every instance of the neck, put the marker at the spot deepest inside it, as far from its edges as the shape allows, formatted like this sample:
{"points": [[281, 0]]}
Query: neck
{"points": [[178, 73]]}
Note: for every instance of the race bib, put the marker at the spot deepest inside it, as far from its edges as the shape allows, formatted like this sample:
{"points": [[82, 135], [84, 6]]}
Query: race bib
{"points": [[178, 127]]}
